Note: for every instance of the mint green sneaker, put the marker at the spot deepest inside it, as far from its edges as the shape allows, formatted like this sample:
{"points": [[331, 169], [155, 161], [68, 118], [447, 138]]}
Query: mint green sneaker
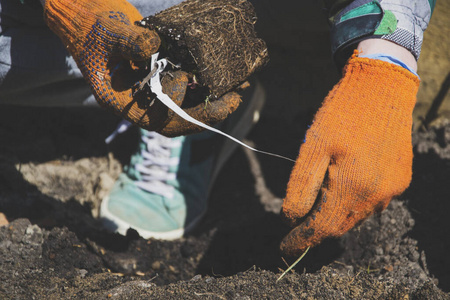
{"points": [[163, 192]]}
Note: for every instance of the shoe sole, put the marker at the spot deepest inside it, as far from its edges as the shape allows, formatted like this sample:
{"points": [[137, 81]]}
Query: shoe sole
{"points": [[115, 224]]}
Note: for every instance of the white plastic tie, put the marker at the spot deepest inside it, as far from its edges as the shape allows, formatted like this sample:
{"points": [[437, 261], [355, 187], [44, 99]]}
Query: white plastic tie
{"points": [[155, 86]]}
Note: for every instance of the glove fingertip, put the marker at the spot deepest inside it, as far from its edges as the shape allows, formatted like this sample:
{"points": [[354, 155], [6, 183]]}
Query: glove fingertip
{"points": [[141, 45], [296, 242], [230, 100], [175, 85]]}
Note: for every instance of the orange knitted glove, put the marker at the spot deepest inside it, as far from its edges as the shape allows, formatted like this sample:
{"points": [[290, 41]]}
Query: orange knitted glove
{"points": [[105, 43], [357, 154], [112, 53]]}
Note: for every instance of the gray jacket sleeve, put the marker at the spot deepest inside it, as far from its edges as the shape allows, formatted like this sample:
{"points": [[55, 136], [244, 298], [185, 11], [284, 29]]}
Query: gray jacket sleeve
{"points": [[400, 21]]}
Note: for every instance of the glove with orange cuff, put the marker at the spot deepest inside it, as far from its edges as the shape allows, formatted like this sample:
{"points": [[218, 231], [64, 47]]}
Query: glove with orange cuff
{"points": [[357, 154], [111, 52]]}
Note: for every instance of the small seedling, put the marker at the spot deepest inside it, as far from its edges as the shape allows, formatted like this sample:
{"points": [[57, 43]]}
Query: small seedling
{"points": [[293, 265], [206, 102]]}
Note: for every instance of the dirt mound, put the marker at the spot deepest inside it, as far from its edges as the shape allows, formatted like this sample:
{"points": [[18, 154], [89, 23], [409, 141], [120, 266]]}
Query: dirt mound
{"points": [[380, 261], [55, 248]]}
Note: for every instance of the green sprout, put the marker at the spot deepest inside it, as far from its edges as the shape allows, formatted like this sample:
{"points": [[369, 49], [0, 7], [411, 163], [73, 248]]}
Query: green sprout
{"points": [[293, 265], [207, 102]]}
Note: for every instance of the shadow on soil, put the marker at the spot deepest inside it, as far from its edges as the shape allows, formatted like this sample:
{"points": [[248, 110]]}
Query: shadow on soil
{"points": [[238, 237]]}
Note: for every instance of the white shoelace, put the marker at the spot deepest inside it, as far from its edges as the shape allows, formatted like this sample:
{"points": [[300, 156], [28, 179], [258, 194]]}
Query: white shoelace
{"points": [[157, 161], [155, 167]]}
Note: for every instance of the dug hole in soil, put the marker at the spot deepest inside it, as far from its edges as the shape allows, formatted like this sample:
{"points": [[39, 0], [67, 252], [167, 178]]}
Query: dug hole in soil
{"points": [[55, 169]]}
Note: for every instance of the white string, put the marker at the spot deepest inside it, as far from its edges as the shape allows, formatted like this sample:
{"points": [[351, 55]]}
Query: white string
{"points": [[155, 86]]}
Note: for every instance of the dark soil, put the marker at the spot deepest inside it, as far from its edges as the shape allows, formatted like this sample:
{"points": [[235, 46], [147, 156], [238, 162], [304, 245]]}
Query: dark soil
{"points": [[54, 248], [55, 169]]}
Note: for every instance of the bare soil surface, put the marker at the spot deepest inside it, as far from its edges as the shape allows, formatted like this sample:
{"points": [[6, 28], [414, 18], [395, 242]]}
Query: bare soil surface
{"points": [[55, 169], [54, 248]]}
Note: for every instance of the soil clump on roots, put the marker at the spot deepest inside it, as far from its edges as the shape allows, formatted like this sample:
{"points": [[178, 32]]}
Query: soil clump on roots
{"points": [[213, 41]]}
